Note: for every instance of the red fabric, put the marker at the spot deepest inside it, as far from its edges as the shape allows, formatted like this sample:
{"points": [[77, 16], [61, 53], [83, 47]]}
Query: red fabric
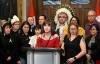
{"points": [[54, 43], [97, 61], [31, 8], [97, 7]]}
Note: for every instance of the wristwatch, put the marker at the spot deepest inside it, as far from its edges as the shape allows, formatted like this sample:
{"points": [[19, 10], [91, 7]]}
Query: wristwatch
{"points": [[75, 58]]}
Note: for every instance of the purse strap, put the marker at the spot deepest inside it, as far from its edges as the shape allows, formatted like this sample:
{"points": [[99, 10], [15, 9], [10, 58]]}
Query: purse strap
{"points": [[48, 42]]}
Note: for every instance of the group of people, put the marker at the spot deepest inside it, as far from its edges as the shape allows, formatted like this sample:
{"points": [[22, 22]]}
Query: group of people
{"points": [[80, 45]]}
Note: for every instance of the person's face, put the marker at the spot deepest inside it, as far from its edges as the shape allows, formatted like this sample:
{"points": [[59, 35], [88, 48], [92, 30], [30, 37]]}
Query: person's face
{"points": [[38, 31], [25, 28], [31, 20], [62, 18], [7, 30], [47, 28], [74, 21], [73, 30], [16, 25], [41, 20], [93, 31], [91, 16]]}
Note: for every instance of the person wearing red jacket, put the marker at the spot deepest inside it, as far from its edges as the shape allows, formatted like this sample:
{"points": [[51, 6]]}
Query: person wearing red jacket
{"points": [[48, 39]]}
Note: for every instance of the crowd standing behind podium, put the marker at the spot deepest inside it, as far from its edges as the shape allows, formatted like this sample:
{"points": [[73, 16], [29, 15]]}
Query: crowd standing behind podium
{"points": [[80, 45]]}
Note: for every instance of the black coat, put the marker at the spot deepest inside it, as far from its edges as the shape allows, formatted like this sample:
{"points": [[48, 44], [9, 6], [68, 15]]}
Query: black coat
{"points": [[95, 47], [9, 46], [24, 42]]}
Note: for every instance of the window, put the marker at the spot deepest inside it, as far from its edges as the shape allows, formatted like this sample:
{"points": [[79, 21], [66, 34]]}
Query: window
{"points": [[80, 1], [51, 2]]}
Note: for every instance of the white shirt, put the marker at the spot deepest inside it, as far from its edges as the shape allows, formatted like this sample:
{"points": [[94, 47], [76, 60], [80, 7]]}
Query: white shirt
{"points": [[33, 41]]}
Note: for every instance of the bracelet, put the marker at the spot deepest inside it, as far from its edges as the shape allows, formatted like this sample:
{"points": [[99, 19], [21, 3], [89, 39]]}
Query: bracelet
{"points": [[75, 58]]}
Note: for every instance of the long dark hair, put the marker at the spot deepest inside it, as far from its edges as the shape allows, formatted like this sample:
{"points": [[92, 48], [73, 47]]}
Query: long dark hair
{"points": [[97, 28], [77, 19], [37, 27], [25, 23], [6, 24], [51, 25]]}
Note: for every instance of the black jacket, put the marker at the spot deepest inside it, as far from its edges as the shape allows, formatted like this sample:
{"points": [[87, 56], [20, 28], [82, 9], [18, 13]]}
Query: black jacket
{"points": [[95, 47], [24, 43], [9, 46]]}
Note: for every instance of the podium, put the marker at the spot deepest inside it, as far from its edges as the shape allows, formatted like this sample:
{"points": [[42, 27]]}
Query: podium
{"points": [[43, 56]]}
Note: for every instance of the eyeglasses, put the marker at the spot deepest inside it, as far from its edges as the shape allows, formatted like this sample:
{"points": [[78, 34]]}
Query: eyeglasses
{"points": [[16, 24], [72, 28], [62, 17], [91, 15], [93, 29], [73, 20]]}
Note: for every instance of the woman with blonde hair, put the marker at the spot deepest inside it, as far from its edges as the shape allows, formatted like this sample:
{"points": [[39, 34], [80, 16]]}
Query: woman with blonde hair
{"points": [[74, 46]]}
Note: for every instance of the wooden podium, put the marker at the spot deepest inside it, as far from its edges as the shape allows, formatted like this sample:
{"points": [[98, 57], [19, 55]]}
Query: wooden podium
{"points": [[43, 56]]}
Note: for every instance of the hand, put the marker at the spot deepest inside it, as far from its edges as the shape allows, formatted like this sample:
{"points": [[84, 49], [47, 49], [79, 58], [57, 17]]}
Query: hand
{"points": [[88, 58], [70, 60], [9, 58], [32, 46], [19, 62]]}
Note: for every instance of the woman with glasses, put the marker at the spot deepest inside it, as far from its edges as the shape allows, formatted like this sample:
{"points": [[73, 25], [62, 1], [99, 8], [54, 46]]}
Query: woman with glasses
{"points": [[74, 46], [93, 45]]}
